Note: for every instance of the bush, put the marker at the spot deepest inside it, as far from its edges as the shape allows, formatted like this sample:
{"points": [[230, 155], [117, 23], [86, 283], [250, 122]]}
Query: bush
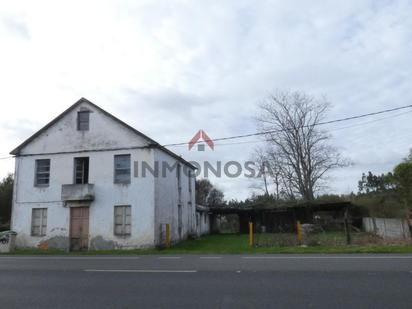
{"points": [[6, 196]]}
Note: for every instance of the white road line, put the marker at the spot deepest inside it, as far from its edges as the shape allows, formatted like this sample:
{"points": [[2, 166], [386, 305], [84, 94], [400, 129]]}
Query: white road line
{"points": [[13, 257], [139, 271], [169, 257], [322, 257], [210, 257]]}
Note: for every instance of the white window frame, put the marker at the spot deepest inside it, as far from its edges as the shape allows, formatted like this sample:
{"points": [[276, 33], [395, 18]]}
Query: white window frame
{"points": [[129, 169], [122, 220], [43, 174], [42, 226]]}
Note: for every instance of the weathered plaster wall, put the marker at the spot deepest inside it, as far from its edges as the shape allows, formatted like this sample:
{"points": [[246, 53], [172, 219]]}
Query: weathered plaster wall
{"points": [[203, 223], [63, 137], [166, 201], [104, 133], [139, 194]]}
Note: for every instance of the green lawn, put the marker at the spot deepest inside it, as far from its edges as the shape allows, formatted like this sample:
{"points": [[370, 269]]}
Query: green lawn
{"points": [[238, 244]]}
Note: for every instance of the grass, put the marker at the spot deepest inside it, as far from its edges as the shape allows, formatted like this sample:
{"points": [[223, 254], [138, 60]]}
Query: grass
{"points": [[234, 244]]}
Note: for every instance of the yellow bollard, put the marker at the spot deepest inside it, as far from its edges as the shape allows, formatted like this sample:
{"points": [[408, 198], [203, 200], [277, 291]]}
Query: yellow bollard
{"points": [[251, 234], [167, 235], [299, 231]]}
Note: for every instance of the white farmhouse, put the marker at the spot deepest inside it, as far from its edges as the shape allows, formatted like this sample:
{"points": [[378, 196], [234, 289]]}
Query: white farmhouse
{"points": [[82, 182]]}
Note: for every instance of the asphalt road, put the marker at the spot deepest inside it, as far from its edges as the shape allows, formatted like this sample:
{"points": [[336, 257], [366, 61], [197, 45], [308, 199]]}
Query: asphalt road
{"points": [[201, 281]]}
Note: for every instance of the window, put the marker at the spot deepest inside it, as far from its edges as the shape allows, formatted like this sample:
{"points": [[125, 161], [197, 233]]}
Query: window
{"points": [[83, 120], [122, 169], [42, 177], [81, 170], [122, 220], [38, 221]]}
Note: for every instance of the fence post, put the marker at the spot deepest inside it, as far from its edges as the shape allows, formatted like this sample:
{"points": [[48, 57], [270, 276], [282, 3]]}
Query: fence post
{"points": [[299, 231], [167, 235], [251, 234]]}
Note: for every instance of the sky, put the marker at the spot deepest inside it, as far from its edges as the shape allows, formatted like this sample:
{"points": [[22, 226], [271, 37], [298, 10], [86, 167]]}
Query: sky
{"points": [[170, 68]]}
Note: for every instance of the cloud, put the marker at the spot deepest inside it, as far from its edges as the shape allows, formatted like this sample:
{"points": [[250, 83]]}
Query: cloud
{"points": [[19, 128], [172, 68], [16, 27]]}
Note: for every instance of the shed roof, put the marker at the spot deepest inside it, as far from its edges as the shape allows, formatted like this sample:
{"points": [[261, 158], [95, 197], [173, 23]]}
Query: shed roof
{"points": [[313, 206]]}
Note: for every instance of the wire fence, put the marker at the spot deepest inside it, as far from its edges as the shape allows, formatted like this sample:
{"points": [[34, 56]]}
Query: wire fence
{"points": [[317, 234], [301, 227]]}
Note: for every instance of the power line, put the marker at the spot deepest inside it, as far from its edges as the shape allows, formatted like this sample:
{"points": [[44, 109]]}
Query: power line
{"points": [[317, 124], [4, 158], [334, 129], [276, 131], [370, 121]]}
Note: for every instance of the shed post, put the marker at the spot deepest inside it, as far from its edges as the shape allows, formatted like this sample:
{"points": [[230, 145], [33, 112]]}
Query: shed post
{"points": [[299, 231]]}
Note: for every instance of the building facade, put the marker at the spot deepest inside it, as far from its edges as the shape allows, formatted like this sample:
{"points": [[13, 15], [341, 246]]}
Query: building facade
{"points": [[80, 184]]}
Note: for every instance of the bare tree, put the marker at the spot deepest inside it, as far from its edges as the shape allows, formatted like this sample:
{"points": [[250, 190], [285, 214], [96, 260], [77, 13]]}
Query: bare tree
{"points": [[259, 156], [272, 175], [300, 149], [280, 174]]}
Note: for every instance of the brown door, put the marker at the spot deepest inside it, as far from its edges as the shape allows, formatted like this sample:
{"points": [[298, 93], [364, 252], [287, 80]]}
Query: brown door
{"points": [[79, 228]]}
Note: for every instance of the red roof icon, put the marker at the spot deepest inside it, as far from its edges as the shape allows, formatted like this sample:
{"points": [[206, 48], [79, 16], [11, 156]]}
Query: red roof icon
{"points": [[201, 135]]}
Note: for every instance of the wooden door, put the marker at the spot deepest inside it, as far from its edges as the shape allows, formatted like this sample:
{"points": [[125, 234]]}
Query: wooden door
{"points": [[79, 228]]}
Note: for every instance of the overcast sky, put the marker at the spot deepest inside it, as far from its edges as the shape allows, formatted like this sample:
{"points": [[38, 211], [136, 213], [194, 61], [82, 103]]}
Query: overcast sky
{"points": [[170, 68]]}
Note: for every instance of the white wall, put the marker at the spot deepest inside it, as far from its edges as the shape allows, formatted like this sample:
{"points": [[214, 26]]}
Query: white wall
{"points": [[66, 143], [166, 200], [154, 201], [387, 227], [139, 194], [203, 226], [103, 133]]}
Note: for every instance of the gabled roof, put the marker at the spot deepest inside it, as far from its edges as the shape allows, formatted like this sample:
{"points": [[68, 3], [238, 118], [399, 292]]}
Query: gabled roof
{"points": [[152, 143]]}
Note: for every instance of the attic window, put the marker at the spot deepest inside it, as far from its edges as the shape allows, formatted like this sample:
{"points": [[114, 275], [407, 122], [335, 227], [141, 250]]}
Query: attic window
{"points": [[83, 120]]}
